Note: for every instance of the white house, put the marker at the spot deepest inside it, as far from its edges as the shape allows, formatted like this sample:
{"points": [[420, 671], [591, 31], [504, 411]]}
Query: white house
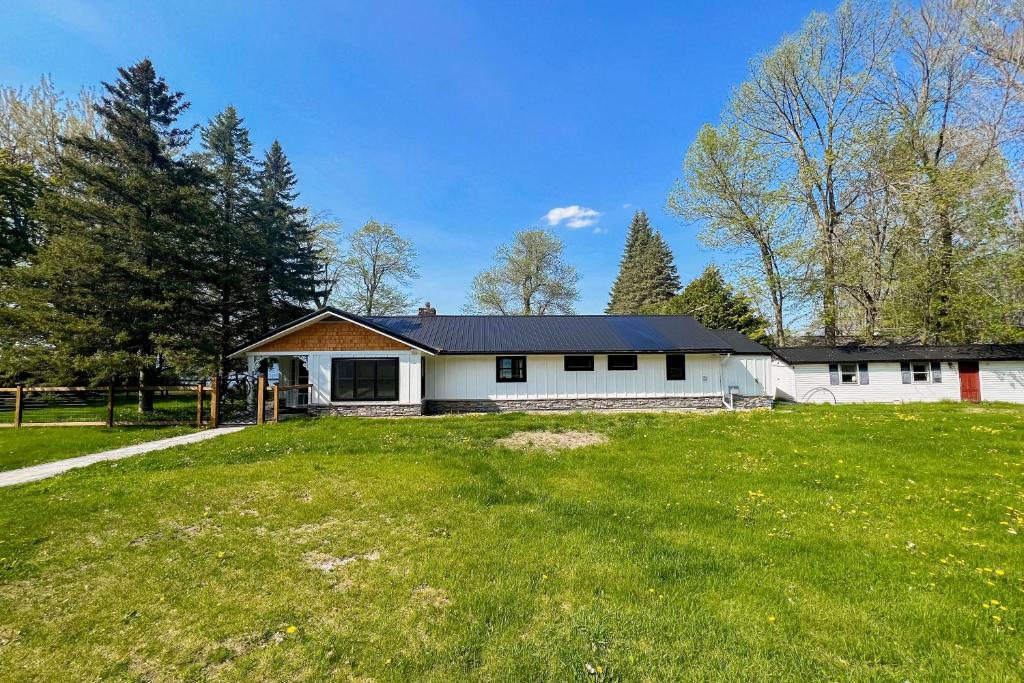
{"points": [[409, 365], [903, 373]]}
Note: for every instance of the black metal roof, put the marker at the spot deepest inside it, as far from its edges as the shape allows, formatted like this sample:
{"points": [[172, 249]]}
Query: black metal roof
{"points": [[556, 334], [742, 344], [494, 334], [797, 355]]}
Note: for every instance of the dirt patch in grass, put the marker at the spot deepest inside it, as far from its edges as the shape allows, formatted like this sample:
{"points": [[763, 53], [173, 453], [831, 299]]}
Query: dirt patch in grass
{"points": [[428, 596], [328, 563], [552, 441]]}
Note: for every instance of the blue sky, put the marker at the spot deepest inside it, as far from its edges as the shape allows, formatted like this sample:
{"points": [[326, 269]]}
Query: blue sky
{"points": [[456, 122]]}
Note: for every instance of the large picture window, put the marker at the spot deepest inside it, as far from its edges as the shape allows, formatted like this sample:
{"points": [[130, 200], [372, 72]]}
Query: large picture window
{"points": [[510, 368], [364, 379]]}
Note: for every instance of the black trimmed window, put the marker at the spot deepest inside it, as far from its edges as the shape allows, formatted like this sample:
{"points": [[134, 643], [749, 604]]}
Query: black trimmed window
{"points": [[920, 372], [510, 368], [622, 361], [675, 366], [579, 364], [364, 379]]}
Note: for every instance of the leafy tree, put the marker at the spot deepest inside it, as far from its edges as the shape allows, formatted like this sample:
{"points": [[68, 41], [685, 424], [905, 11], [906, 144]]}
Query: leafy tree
{"points": [[529, 277], [715, 305], [732, 186], [376, 267], [114, 289], [647, 272]]}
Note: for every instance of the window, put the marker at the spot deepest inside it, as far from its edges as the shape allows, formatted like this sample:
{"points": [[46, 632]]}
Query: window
{"points": [[579, 363], [511, 368], [848, 373], [919, 372], [364, 379], [622, 361], [675, 366]]}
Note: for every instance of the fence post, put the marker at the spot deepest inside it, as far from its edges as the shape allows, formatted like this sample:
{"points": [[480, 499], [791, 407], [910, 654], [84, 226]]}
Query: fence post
{"points": [[277, 416], [215, 401], [261, 391], [19, 394], [110, 405], [199, 404]]}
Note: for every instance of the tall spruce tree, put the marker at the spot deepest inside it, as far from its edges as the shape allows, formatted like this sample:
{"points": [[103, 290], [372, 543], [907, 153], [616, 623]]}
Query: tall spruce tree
{"points": [[287, 261], [715, 305], [114, 288], [647, 273], [232, 237]]}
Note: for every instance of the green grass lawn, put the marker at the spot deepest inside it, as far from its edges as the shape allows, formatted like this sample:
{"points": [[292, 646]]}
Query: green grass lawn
{"points": [[810, 543], [34, 445]]}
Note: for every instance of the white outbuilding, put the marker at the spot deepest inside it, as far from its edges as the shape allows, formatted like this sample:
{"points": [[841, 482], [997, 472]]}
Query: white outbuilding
{"points": [[903, 373]]}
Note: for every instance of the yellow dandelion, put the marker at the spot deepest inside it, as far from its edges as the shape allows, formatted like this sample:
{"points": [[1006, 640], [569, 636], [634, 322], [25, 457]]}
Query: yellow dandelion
{"points": [[771, 618], [999, 572], [293, 629], [220, 554]]}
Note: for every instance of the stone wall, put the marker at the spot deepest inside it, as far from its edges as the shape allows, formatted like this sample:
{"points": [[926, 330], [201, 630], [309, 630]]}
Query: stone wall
{"points": [[369, 409], [666, 403]]}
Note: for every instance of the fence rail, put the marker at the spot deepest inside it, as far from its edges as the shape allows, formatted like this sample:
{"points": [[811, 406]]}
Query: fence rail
{"points": [[202, 404], [33, 406]]}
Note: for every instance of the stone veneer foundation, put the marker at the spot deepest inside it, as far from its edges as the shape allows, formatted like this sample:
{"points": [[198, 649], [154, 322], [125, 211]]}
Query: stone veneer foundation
{"points": [[665, 403], [489, 406], [369, 409]]}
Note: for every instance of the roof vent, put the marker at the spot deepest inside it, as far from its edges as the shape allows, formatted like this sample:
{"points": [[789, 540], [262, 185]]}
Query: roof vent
{"points": [[427, 310]]}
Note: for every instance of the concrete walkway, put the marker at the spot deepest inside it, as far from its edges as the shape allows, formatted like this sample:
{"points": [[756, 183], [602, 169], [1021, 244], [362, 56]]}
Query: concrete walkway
{"points": [[52, 469]]}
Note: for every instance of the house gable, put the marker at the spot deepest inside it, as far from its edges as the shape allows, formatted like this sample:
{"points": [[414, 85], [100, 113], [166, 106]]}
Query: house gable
{"points": [[333, 335]]}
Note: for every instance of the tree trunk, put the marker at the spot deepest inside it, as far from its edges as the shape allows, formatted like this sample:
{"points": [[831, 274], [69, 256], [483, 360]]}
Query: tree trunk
{"points": [[942, 324], [829, 303], [146, 379]]}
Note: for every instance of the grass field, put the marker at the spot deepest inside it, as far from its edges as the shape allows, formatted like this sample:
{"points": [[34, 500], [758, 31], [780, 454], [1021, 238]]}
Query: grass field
{"points": [[810, 543], [34, 445]]}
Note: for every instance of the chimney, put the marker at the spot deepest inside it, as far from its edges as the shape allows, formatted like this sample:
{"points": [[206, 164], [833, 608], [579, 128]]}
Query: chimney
{"points": [[427, 310]]}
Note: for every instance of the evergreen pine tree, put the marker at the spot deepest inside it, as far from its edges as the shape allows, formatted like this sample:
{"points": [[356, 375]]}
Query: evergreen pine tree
{"points": [[647, 274], [232, 237], [288, 249], [715, 305], [114, 287]]}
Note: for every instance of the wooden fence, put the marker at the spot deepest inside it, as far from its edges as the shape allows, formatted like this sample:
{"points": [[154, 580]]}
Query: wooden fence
{"points": [[34, 406]]}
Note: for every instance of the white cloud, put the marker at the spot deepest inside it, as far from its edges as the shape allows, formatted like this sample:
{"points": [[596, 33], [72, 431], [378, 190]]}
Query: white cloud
{"points": [[627, 205], [574, 217], [600, 231]]}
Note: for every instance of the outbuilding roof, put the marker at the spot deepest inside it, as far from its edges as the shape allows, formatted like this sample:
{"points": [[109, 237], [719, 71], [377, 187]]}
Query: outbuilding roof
{"points": [[555, 334], [798, 355]]}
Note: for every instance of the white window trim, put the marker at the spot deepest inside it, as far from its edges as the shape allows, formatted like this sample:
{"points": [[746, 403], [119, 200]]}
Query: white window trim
{"points": [[927, 372], [856, 374]]}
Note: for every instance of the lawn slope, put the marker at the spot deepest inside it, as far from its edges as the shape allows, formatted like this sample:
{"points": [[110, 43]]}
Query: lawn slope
{"points": [[803, 544]]}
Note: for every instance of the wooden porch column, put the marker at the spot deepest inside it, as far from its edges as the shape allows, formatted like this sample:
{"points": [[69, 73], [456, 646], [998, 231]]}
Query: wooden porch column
{"points": [[261, 393], [277, 406]]}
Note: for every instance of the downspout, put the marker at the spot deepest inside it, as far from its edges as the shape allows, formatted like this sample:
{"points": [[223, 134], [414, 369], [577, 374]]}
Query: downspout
{"points": [[721, 382]]}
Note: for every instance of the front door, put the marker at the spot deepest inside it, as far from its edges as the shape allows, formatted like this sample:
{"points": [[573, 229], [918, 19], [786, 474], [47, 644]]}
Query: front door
{"points": [[970, 381]]}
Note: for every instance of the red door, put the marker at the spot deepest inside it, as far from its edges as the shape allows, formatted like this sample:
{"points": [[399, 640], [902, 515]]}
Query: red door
{"points": [[970, 382]]}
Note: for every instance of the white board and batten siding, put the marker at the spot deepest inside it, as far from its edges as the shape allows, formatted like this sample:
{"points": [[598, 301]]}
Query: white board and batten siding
{"points": [[1002, 380], [811, 384], [473, 377], [319, 364]]}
